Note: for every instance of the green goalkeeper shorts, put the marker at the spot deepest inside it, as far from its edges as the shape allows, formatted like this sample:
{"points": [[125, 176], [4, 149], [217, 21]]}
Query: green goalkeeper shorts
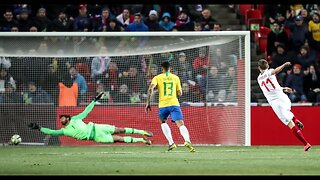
{"points": [[104, 133]]}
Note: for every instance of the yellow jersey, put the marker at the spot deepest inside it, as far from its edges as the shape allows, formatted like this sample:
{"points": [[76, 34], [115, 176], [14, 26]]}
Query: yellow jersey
{"points": [[168, 85], [314, 28]]}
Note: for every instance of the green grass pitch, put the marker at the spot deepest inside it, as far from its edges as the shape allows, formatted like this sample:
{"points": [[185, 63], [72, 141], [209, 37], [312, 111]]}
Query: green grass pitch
{"points": [[154, 160]]}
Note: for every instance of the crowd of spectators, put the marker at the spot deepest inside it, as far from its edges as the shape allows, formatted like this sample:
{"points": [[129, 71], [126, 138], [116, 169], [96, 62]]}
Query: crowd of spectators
{"points": [[106, 17], [295, 38]]}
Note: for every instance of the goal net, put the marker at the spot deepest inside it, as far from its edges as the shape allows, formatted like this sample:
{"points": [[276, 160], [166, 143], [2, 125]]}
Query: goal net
{"points": [[44, 75]]}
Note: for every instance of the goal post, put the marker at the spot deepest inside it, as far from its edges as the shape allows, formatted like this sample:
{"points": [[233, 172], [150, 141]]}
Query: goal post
{"points": [[213, 66]]}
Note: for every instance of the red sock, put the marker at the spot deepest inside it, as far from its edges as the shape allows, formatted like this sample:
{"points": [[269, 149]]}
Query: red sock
{"points": [[294, 119], [296, 131]]}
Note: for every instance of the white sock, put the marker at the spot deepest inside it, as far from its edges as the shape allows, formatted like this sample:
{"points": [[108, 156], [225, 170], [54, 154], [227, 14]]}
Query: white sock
{"points": [[167, 132], [185, 133]]}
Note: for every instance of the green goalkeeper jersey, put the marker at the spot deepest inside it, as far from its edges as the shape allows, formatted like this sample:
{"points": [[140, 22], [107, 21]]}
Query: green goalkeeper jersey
{"points": [[76, 127]]}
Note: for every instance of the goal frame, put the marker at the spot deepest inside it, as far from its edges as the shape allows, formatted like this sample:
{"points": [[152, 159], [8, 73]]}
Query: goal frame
{"points": [[246, 56]]}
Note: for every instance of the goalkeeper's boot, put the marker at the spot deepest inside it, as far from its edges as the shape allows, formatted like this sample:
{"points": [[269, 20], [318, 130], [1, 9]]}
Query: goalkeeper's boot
{"points": [[147, 133], [146, 141], [299, 124], [172, 147], [307, 147], [188, 145]]}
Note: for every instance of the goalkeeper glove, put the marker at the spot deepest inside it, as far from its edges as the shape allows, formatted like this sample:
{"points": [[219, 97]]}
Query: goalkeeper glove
{"points": [[98, 96], [34, 126]]}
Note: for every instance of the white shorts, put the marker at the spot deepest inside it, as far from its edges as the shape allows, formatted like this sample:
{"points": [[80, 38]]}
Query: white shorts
{"points": [[282, 108]]}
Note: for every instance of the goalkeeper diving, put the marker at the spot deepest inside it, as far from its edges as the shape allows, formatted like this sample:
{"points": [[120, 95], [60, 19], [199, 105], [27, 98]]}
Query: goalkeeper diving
{"points": [[102, 133]]}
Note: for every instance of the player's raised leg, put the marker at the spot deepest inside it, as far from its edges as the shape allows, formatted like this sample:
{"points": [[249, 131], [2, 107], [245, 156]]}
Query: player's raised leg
{"points": [[283, 110], [297, 132]]}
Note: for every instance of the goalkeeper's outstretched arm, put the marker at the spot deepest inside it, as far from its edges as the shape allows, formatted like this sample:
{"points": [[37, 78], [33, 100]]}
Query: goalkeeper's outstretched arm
{"points": [[84, 113], [52, 132], [44, 130], [88, 108]]}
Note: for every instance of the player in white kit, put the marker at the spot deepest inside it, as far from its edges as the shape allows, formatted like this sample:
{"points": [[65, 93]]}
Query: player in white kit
{"points": [[278, 100]]}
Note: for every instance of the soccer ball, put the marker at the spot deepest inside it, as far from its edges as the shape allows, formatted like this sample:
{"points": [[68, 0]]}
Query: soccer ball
{"points": [[15, 139]]}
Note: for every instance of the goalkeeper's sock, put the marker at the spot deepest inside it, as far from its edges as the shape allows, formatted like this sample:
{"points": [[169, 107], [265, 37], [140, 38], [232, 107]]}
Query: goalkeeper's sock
{"points": [[133, 131], [129, 139], [167, 132], [297, 132], [185, 133]]}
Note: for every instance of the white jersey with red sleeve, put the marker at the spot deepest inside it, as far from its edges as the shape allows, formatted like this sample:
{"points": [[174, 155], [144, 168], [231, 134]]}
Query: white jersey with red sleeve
{"points": [[270, 86]]}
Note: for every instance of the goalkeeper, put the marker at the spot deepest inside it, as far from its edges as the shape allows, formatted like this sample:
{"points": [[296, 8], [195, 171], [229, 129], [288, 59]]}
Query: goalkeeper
{"points": [[102, 133]]}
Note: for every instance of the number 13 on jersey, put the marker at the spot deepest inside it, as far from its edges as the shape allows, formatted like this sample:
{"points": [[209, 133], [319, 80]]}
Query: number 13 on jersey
{"points": [[167, 88]]}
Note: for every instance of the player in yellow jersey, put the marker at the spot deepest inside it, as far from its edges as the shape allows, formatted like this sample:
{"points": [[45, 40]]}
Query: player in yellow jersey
{"points": [[169, 87]]}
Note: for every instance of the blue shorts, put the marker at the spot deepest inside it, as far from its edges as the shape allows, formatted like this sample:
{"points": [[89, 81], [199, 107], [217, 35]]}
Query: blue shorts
{"points": [[173, 111]]}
